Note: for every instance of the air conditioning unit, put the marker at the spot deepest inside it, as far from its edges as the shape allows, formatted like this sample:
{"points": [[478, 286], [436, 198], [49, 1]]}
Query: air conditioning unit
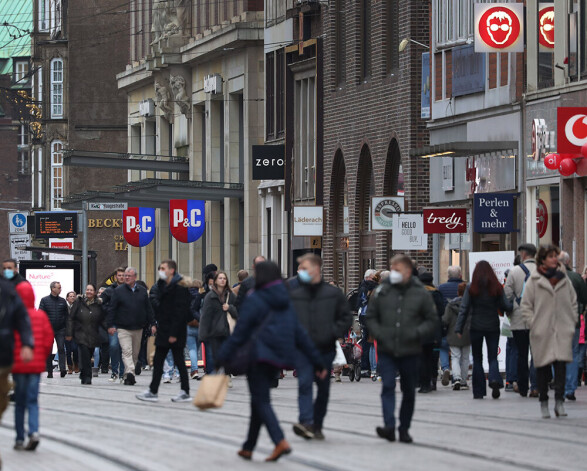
{"points": [[147, 107], [213, 84]]}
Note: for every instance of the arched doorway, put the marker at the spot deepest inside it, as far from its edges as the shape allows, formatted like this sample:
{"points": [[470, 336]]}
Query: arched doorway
{"points": [[365, 190], [340, 220], [393, 184]]}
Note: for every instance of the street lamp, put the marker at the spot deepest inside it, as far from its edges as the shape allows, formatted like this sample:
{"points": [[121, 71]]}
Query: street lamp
{"points": [[404, 43]]}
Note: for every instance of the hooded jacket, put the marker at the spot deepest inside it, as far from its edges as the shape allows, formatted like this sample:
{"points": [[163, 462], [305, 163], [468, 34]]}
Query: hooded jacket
{"points": [[57, 311], [277, 341], [213, 321], [84, 321], [128, 309], [172, 310], [451, 313], [42, 334], [13, 318]]}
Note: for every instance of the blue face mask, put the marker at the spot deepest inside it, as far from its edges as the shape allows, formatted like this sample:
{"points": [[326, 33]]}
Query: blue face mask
{"points": [[8, 274], [304, 276]]}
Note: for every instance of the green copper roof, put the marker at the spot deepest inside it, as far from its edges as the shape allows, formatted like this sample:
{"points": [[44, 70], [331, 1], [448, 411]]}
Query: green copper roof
{"points": [[16, 22]]}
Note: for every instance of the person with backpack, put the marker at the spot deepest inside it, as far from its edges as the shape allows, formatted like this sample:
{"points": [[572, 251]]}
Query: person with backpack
{"points": [[514, 290]]}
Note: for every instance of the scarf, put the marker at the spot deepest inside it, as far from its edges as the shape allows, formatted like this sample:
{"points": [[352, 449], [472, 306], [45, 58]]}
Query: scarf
{"points": [[554, 275]]}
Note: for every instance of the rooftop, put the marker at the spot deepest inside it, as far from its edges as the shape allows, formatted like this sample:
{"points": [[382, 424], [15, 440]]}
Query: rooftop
{"points": [[16, 25]]}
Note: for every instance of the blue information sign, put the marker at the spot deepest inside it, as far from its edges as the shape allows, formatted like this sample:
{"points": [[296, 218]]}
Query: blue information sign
{"points": [[494, 213]]}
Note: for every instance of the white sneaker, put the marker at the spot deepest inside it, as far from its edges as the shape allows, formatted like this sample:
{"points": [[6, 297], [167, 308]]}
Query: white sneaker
{"points": [[147, 396], [166, 379], [182, 397], [113, 378]]}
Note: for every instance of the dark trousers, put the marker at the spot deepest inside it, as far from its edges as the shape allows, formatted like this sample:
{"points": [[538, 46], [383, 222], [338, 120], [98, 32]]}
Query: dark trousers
{"points": [[71, 353], [260, 378], [143, 351], [178, 358], [408, 369], [522, 339], [428, 368], [313, 412], [104, 356], [511, 361], [544, 377], [492, 342], [212, 349], [60, 339], [85, 362]]}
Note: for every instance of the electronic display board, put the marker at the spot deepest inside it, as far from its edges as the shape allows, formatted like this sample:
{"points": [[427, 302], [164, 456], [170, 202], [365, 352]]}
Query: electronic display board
{"points": [[59, 224]]}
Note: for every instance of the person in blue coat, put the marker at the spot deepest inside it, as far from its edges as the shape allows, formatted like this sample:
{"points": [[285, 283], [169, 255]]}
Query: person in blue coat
{"points": [[277, 339]]}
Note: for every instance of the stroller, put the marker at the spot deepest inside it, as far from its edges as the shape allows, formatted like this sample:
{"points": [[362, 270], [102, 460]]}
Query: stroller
{"points": [[352, 351]]}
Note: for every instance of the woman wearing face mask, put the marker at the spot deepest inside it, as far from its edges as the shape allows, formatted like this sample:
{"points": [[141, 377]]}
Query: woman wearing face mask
{"points": [[218, 305], [83, 324], [549, 307]]}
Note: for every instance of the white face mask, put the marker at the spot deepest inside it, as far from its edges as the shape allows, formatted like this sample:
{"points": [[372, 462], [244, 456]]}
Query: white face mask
{"points": [[395, 277], [162, 274]]}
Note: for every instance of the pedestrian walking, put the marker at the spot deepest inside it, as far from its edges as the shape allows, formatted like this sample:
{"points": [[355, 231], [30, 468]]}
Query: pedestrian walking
{"points": [[247, 284], [325, 314], [10, 272], [129, 311], [401, 317], [13, 318], [269, 320], [56, 309], [484, 300], [83, 327], [71, 349], [114, 351], [172, 312], [460, 347], [26, 375], [549, 307], [241, 276], [515, 288], [366, 289]]}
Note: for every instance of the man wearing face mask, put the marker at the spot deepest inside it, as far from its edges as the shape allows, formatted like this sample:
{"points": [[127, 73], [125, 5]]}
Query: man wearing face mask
{"points": [[401, 317], [10, 272], [325, 314]]}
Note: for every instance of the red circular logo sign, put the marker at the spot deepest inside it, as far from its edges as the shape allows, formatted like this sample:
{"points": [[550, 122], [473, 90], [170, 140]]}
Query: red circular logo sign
{"points": [[546, 27], [499, 27], [541, 218]]}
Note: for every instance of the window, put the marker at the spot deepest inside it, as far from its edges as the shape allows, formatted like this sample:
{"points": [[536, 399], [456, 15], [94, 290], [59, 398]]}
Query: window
{"points": [[39, 87], [305, 139], [270, 92], [577, 40], [340, 55], [21, 69], [392, 33], [23, 150], [56, 174], [56, 88], [365, 39], [43, 14], [274, 12], [55, 18], [275, 94], [454, 21]]}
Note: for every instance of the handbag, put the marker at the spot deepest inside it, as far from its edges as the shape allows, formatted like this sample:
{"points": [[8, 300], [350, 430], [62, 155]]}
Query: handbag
{"points": [[506, 328], [150, 349], [339, 359], [212, 391]]}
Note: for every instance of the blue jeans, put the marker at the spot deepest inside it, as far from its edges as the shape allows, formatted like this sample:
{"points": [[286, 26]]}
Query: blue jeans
{"points": [[492, 342], [409, 373], [313, 413], [259, 378], [373, 358], [444, 357], [511, 361], [26, 394], [116, 355], [573, 367], [194, 344]]}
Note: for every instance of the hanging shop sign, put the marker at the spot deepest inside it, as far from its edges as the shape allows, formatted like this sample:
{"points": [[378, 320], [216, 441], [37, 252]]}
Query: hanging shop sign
{"points": [[494, 213], [499, 27], [308, 221], [571, 129], [426, 87], [187, 219], [546, 27], [445, 220], [269, 162], [138, 226], [382, 211], [408, 232]]}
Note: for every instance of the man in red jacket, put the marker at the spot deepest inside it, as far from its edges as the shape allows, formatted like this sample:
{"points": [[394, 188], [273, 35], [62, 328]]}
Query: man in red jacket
{"points": [[26, 375]]}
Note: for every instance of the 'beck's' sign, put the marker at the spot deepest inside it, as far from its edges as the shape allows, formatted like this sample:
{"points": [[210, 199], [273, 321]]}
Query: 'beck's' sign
{"points": [[445, 221], [187, 219], [494, 213]]}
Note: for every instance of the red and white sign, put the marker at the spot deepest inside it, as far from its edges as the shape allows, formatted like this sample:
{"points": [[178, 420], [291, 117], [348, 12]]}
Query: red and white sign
{"points": [[499, 27], [546, 27], [445, 221], [60, 244], [571, 129]]}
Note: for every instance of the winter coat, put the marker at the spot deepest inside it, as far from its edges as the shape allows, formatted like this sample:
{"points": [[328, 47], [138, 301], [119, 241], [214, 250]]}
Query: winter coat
{"points": [[129, 310], [85, 320], [324, 312], [580, 290], [42, 334], [449, 290], [551, 314], [451, 313], [13, 318], [513, 290], [57, 311], [440, 304], [366, 289], [402, 317], [277, 341], [172, 311], [213, 321], [484, 312]]}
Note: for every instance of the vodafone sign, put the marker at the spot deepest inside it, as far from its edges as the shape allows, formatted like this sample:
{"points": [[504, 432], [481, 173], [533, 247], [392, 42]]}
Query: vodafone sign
{"points": [[571, 129], [499, 27]]}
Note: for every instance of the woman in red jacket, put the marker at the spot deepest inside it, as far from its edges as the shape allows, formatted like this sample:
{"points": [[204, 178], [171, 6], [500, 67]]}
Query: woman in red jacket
{"points": [[26, 375]]}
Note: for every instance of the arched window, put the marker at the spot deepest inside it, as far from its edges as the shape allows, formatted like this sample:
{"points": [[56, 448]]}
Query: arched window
{"points": [[57, 88], [56, 175], [365, 191], [340, 220]]}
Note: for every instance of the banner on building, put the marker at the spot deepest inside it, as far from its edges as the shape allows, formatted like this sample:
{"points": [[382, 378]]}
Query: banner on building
{"points": [[187, 219], [382, 211], [308, 221], [269, 162], [499, 27], [445, 220], [425, 93], [494, 213], [546, 27], [138, 226], [571, 129], [408, 232]]}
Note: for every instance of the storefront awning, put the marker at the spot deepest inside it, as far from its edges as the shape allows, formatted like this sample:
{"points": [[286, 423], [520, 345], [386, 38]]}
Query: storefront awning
{"points": [[155, 163], [464, 149], [156, 193]]}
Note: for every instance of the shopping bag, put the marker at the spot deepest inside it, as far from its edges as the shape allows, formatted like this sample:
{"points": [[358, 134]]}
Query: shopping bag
{"points": [[212, 391], [506, 328], [339, 359], [231, 323], [151, 349]]}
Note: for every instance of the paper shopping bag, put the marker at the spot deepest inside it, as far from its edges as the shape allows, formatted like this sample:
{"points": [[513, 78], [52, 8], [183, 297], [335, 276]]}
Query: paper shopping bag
{"points": [[212, 391], [151, 349]]}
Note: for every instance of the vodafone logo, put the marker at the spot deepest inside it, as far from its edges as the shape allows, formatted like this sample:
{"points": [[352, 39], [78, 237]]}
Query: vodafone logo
{"points": [[546, 27], [576, 130], [499, 27], [571, 129]]}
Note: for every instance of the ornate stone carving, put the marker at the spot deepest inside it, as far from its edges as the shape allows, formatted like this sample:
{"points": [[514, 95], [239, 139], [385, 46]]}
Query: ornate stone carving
{"points": [[181, 97], [170, 18], [164, 99]]}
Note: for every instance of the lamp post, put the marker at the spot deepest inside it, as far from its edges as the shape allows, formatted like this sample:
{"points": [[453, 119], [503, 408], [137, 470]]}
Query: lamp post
{"points": [[404, 43]]}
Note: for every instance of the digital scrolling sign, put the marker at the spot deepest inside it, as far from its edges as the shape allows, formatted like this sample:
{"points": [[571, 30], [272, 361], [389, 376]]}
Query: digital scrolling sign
{"points": [[59, 224]]}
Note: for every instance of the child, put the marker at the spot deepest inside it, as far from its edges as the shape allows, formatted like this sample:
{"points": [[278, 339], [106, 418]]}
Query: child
{"points": [[26, 375]]}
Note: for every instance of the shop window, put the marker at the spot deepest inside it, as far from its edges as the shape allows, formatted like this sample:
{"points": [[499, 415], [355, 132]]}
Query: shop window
{"points": [[548, 214], [56, 174]]}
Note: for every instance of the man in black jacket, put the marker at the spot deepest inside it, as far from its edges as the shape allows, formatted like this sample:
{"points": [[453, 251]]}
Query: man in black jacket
{"points": [[172, 312], [248, 284], [113, 343], [56, 309], [325, 314], [10, 272], [129, 311]]}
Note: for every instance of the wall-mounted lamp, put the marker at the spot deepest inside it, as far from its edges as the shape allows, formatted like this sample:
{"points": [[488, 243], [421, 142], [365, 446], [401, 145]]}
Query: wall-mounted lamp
{"points": [[404, 43]]}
